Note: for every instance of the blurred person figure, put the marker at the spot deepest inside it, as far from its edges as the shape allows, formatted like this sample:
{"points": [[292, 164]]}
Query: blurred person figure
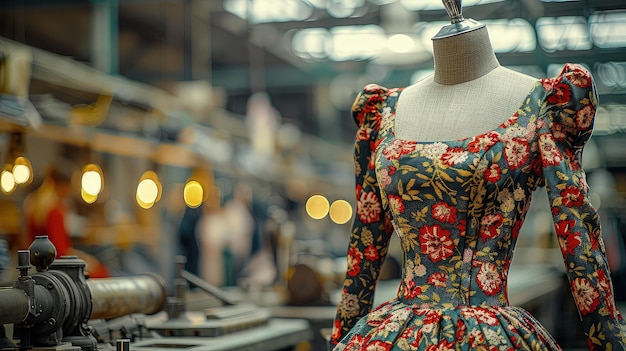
{"points": [[46, 212], [187, 238], [214, 239], [229, 237], [245, 236]]}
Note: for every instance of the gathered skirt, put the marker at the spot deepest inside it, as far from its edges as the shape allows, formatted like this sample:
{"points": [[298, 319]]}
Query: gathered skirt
{"points": [[395, 325]]}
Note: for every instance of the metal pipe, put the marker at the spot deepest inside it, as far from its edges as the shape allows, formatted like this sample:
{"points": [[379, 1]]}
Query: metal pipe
{"points": [[116, 297], [13, 306]]}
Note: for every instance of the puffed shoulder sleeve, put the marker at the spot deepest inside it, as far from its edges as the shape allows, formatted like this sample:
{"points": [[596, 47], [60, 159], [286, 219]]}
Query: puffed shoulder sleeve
{"points": [[567, 118], [371, 228], [366, 106]]}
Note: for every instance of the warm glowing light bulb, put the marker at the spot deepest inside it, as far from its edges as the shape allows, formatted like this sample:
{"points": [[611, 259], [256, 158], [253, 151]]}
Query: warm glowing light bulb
{"points": [[88, 198], [7, 181], [91, 182], [193, 194], [340, 211], [22, 170], [147, 191], [21, 173], [317, 206]]}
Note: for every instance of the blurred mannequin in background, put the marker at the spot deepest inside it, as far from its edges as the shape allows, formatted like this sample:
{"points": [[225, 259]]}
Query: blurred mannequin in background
{"points": [[46, 212]]}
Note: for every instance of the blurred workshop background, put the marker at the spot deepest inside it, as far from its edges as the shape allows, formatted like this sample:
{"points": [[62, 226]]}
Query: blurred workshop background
{"points": [[220, 130]]}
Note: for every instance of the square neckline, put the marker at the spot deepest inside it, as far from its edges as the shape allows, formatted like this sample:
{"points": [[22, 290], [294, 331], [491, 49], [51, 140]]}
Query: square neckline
{"points": [[505, 124]]}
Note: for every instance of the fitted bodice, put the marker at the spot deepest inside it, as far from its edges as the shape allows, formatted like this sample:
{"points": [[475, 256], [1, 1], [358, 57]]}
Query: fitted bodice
{"points": [[455, 211]]}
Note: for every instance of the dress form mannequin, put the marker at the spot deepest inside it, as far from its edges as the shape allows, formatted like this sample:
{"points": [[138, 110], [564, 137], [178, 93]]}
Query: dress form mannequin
{"points": [[469, 93]]}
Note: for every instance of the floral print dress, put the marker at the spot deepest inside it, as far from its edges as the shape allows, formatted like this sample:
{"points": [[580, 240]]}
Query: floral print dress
{"points": [[457, 207]]}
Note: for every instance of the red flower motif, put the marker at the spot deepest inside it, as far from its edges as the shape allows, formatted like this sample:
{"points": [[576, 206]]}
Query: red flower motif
{"points": [[569, 242], [594, 238], [604, 283], [516, 152], [579, 76], [603, 280], [372, 108], [368, 207], [550, 154], [462, 227], [412, 290], [584, 117], [438, 279], [373, 146], [360, 117], [461, 328], [585, 295], [493, 173], [443, 212], [484, 315], [371, 253], [432, 317], [336, 330], [560, 94], [563, 228], [363, 133], [396, 203], [572, 196], [555, 211], [484, 141], [397, 148], [559, 131], [573, 157], [355, 343], [407, 332], [490, 226], [489, 279], [454, 156], [436, 243], [355, 257]]}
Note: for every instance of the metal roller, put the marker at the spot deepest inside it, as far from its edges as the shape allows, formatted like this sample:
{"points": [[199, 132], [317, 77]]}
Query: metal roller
{"points": [[13, 306], [116, 297]]}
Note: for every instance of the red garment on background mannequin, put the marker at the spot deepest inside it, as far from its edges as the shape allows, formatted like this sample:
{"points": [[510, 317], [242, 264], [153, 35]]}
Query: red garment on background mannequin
{"points": [[54, 227]]}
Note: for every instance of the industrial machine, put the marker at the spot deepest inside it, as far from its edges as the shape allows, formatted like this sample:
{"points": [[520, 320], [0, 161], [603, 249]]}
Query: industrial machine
{"points": [[58, 308], [51, 308]]}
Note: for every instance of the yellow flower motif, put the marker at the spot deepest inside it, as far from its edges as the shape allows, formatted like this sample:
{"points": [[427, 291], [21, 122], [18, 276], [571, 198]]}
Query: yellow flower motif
{"points": [[349, 305], [519, 194], [508, 205], [366, 237]]}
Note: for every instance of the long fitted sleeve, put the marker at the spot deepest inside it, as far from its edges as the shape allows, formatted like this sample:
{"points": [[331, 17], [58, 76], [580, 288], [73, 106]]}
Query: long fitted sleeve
{"points": [[371, 229], [568, 115]]}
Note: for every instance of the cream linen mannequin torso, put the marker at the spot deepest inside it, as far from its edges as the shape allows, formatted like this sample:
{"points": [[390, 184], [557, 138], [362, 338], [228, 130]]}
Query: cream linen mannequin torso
{"points": [[469, 93]]}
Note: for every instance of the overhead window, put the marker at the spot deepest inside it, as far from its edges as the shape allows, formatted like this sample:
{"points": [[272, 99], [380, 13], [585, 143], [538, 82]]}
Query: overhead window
{"points": [[417, 5], [340, 43], [563, 33], [265, 11]]}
